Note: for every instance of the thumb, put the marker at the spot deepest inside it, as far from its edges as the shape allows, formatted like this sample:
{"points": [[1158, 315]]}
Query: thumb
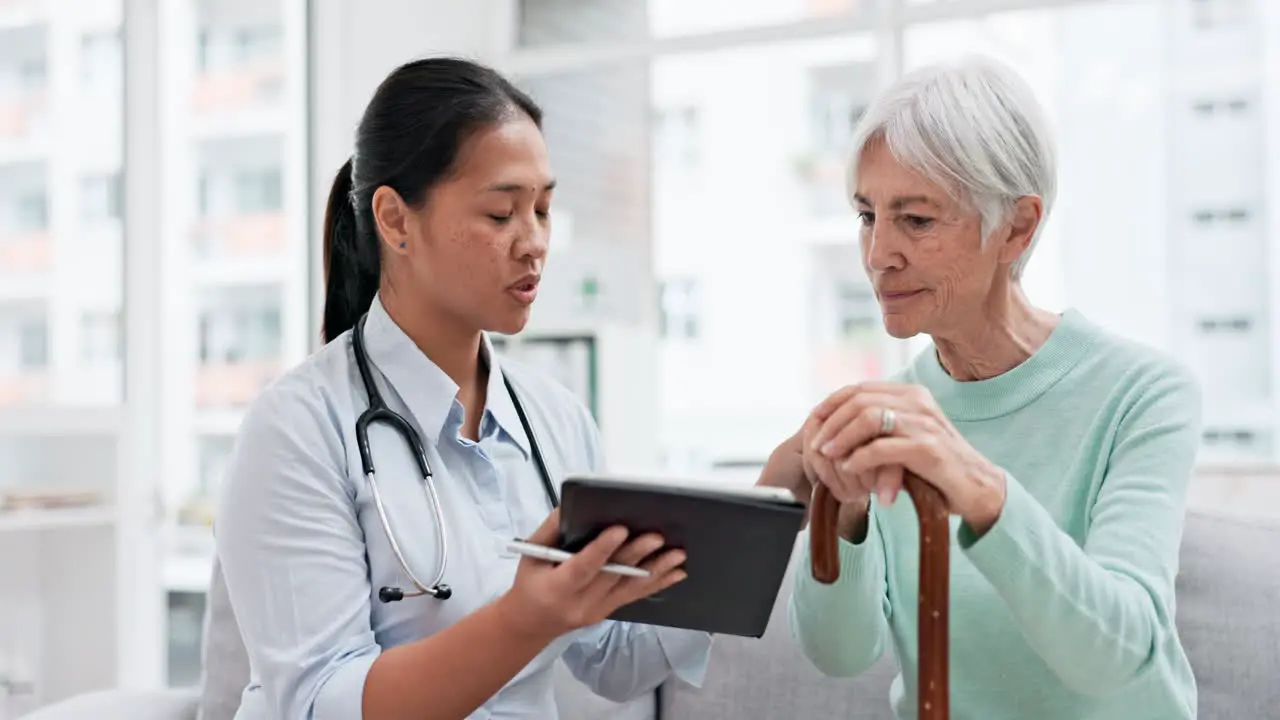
{"points": [[548, 533]]}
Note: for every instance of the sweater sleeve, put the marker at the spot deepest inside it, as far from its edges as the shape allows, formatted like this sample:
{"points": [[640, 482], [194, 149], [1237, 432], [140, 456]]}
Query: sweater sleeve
{"points": [[1096, 612], [843, 627]]}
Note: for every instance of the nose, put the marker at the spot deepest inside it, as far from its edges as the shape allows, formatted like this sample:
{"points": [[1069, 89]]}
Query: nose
{"points": [[534, 240], [880, 249]]}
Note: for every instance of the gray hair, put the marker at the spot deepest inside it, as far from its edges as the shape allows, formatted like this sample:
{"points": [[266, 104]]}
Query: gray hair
{"points": [[973, 127]]}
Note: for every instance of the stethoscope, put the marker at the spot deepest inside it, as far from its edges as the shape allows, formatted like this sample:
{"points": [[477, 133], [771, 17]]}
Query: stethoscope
{"points": [[379, 412]]}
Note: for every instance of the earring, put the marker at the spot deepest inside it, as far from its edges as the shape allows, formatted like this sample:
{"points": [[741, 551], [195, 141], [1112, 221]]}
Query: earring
{"points": [[401, 244]]}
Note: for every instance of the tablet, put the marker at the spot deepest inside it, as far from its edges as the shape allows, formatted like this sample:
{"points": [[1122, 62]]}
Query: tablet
{"points": [[738, 542]]}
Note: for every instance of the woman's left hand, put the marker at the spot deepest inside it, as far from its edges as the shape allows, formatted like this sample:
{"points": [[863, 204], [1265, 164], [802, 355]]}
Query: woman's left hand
{"points": [[872, 431]]}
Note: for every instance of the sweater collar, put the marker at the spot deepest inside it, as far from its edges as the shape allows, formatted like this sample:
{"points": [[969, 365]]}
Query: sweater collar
{"points": [[972, 400]]}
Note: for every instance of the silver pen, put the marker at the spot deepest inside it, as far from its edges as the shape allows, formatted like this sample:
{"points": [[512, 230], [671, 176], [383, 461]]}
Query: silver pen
{"points": [[555, 555]]}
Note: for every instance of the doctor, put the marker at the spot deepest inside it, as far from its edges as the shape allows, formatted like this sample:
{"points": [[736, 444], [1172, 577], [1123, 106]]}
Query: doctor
{"points": [[436, 231]]}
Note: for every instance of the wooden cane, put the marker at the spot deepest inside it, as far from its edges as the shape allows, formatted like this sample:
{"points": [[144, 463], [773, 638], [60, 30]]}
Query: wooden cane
{"points": [[935, 573]]}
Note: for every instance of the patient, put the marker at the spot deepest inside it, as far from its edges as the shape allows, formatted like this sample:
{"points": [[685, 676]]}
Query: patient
{"points": [[1063, 452]]}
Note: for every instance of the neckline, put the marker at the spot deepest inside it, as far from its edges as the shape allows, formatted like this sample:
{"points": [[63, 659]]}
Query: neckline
{"points": [[1008, 392]]}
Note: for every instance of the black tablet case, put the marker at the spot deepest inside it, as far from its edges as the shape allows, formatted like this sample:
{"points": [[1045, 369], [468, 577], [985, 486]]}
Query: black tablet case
{"points": [[737, 548]]}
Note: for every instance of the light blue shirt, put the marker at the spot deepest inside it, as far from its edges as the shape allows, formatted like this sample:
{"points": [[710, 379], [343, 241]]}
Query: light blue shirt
{"points": [[303, 551]]}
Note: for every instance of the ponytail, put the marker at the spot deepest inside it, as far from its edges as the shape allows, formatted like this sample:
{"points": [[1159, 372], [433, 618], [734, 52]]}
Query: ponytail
{"points": [[351, 260]]}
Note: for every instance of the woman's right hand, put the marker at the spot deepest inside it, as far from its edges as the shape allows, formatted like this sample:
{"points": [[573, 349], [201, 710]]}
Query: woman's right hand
{"points": [[549, 600], [851, 523]]}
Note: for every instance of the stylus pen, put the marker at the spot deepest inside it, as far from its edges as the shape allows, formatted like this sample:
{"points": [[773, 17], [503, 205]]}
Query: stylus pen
{"points": [[542, 552]]}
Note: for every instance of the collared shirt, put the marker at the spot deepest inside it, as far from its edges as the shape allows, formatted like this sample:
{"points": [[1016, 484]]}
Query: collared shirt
{"points": [[304, 553]]}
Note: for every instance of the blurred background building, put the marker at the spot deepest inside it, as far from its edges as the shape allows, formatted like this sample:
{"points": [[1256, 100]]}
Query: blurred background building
{"points": [[159, 243]]}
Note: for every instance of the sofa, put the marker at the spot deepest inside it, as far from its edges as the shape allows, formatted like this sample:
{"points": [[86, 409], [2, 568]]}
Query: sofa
{"points": [[1228, 583]]}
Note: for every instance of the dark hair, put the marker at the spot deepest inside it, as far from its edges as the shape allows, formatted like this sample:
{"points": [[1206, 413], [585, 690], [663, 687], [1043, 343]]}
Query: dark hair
{"points": [[408, 140]]}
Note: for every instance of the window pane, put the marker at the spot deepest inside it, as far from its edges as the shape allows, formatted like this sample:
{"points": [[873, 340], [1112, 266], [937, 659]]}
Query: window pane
{"points": [[555, 22], [60, 233], [1157, 110], [597, 132], [236, 188], [756, 243]]}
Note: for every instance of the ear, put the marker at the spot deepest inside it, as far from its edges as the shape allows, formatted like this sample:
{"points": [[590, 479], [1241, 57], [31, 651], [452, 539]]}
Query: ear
{"points": [[1024, 218], [393, 218]]}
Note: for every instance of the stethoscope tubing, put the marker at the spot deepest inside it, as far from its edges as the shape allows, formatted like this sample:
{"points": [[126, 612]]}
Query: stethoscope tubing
{"points": [[379, 412]]}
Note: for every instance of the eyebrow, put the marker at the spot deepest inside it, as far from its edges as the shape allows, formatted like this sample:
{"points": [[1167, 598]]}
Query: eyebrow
{"points": [[900, 202], [516, 187]]}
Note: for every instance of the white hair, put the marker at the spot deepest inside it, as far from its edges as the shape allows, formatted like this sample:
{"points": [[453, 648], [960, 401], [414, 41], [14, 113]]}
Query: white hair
{"points": [[973, 127]]}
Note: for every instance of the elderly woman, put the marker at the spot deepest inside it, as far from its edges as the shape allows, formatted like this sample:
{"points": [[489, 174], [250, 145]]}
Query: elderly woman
{"points": [[1062, 451]]}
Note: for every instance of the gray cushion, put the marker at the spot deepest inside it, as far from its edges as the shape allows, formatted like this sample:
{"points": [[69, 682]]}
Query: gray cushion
{"points": [[224, 661], [769, 678], [1228, 590], [122, 705]]}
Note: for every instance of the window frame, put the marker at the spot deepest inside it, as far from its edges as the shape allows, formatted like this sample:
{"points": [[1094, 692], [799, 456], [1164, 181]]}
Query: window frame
{"points": [[887, 22]]}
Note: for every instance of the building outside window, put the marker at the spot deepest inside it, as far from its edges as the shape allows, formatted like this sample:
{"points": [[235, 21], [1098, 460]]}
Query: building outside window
{"points": [[681, 309], [101, 197]]}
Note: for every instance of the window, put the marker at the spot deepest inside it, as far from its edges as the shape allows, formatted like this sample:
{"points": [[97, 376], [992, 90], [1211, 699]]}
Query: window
{"points": [[33, 74], [676, 135], [856, 309], [235, 335], [1217, 14], [202, 194], [258, 190], [101, 197], [680, 309], [257, 43], [101, 64], [1162, 165], [1226, 324], [555, 22], [100, 334], [203, 42], [32, 212], [839, 96], [33, 344]]}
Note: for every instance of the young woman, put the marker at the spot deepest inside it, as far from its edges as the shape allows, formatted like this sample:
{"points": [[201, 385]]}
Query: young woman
{"points": [[436, 232]]}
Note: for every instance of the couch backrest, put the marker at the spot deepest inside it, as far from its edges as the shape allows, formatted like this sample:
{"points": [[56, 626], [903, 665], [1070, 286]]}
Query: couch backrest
{"points": [[224, 663], [1228, 594], [1228, 585]]}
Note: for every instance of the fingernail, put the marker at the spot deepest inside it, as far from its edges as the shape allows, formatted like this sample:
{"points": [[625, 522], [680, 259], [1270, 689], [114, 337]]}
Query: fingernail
{"points": [[828, 449], [680, 557]]}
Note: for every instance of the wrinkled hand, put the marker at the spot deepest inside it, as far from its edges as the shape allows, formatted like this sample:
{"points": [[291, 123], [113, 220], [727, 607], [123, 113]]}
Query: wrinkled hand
{"points": [[548, 600], [792, 465], [858, 458]]}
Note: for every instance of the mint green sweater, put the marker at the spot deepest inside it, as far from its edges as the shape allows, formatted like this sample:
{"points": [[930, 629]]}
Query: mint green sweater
{"points": [[1065, 608]]}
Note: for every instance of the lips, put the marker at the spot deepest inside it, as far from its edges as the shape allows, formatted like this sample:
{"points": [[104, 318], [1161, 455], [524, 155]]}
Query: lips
{"points": [[524, 290], [898, 294]]}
